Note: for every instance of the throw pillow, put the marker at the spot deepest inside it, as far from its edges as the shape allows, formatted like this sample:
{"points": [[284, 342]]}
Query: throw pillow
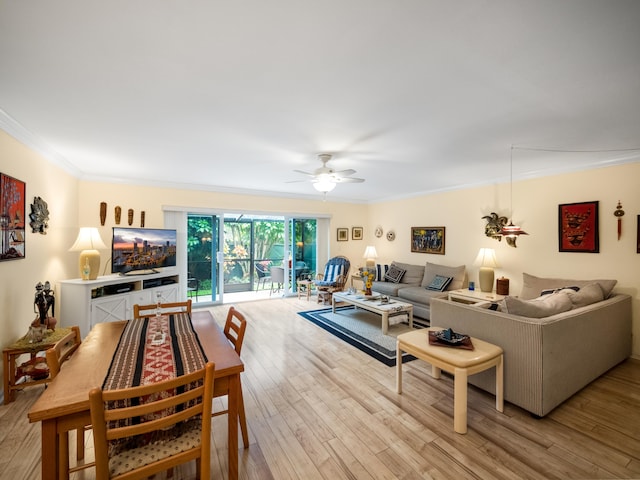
{"points": [[381, 271], [439, 283], [532, 285], [587, 295], [554, 290], [540, 307], [394, 274]]}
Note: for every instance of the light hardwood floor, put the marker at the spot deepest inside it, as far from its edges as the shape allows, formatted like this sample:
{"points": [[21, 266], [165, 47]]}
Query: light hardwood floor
{"points": [[318, 408]]}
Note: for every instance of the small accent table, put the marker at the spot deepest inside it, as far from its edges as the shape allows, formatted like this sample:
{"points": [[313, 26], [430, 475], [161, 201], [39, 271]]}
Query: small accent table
{"points": [[304, 288], [11, 354], [461, 363], [474, 296]]}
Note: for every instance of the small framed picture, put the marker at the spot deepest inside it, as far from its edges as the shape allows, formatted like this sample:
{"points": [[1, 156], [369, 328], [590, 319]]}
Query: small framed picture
{"points": [[578, 227], [356, 233], [343, 234], [427, 240]]}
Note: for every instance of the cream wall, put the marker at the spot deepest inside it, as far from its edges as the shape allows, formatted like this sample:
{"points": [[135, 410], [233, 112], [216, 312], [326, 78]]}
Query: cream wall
{"points": [[74, 203], [535, 205], [46, 256]]}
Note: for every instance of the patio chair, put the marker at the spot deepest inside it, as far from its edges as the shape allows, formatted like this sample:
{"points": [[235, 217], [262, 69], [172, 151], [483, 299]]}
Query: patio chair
{"points": [[263, 273], [333, 279], [193, 285], [277, 279]]}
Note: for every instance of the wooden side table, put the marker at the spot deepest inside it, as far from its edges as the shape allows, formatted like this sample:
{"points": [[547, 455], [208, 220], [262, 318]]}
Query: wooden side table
{"points": [[304, 288], [461, 363], [11, 354]]}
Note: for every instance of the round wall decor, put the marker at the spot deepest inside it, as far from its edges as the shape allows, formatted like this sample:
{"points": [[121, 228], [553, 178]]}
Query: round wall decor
{"points": [[378, 232], [391, 235]]}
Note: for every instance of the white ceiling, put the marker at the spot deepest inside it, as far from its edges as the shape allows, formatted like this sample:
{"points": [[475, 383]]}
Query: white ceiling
{"points": [[415, 95]]}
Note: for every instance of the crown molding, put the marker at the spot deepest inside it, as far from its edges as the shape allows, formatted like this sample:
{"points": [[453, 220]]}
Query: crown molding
{"points": [[28, 138]]}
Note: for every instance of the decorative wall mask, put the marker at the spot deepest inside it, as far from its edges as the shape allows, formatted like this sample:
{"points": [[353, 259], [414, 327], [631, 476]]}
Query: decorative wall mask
{"points": [[130, 216], [103, 213], [39, 216], [118, 214], [142, 215], [619, 212]]}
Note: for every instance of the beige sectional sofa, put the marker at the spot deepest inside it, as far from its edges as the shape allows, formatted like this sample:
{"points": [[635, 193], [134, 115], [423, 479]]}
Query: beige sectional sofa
{"points": [[548, 359], [412, 287]]}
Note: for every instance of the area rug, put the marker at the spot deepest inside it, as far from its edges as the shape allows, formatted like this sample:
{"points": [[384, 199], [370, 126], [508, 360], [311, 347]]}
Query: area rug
{"points": [[363, 330]]}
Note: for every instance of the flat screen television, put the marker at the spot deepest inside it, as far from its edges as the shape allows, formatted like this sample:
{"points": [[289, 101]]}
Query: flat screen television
{"points": [[142, 250]]}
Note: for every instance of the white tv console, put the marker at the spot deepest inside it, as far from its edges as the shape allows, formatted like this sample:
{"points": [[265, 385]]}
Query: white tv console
{"points": [[109, 298]]}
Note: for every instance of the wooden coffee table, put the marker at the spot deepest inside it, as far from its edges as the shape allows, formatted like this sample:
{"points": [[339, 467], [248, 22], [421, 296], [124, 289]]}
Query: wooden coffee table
{"points": [[461, 363], [373, 304]]}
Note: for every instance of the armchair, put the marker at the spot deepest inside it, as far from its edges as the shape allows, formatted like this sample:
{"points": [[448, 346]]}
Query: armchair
{"points": [[333, 279]]}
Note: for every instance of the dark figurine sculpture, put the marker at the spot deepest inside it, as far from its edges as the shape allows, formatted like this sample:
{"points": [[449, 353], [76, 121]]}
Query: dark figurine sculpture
{"points": [[43, 302]]}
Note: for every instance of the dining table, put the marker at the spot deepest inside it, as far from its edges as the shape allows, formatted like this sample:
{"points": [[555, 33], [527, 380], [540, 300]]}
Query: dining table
{"points": [[64, 405]]}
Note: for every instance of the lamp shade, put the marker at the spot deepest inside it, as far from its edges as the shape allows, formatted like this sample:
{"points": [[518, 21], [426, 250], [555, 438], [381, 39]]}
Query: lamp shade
{"points": [[487, 261], [88, 243], [486, 258]]}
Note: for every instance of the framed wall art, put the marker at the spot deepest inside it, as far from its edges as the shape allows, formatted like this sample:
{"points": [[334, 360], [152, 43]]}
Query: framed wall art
{"points": [[638, 237], [343, 234], [356, 233], [578, 227], [12, 218], [428, 240]]}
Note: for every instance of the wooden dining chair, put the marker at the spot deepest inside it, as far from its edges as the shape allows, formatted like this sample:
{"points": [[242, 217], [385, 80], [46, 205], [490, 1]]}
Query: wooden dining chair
{"points": [[56, 356], [141, 311], [234, 329], [182, 420]]}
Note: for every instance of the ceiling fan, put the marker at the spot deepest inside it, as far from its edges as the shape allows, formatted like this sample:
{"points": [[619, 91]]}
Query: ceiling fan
{"points": [[325, 178]]}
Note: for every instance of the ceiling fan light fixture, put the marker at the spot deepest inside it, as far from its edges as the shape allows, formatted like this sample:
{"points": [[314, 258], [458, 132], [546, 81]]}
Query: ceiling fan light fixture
{"points": [[324, 185]]}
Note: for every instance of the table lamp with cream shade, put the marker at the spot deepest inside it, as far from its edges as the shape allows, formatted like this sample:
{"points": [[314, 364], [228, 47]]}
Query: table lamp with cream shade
{"points": [[370, 255], [486, 260], [88, 243]]}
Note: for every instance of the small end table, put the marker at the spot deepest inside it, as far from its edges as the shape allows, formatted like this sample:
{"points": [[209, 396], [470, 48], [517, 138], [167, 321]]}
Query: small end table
{"points": [[11, 354], [304, 288]]}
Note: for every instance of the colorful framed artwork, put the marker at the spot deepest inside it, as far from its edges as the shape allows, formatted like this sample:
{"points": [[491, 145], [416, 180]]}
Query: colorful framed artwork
{"points": [[428, 240], [343, 234], [638, 237], [578, 227], [12, 218], [356, 233]]}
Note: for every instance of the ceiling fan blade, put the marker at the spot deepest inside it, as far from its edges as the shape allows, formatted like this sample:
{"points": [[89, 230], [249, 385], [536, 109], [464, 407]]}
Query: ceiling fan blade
{"points": [[345, 173], [305, 173], [348, 180]]}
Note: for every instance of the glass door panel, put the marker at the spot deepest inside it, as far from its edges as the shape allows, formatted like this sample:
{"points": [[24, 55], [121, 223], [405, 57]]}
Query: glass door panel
{"points": [[202, 246]]}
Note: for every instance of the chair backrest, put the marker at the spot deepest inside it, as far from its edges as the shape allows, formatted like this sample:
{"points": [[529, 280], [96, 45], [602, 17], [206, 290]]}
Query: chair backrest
{"points": [[262, 270], [336, 267], [120, 415], [141, 311], [277, 274], [234, 328], [62, 350]]}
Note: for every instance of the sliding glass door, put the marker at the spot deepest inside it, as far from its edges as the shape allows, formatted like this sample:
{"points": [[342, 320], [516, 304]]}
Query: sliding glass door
{"points": [[242, 252]]}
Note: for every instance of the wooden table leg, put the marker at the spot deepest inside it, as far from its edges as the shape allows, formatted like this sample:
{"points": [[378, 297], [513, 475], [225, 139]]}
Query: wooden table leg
{"points": [[234, 385], [398, 368], [385, 323], [500, 384], [460, 400], [50, 450], [6, 359]]}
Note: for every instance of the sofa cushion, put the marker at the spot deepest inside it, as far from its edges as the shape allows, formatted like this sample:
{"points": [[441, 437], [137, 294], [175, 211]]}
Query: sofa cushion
{"points": [[412, 273], [439, 283], [419, 295], [387, 288], [533, 286], [457, 275], [540, 307], [394, 274], [591, 293]]}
